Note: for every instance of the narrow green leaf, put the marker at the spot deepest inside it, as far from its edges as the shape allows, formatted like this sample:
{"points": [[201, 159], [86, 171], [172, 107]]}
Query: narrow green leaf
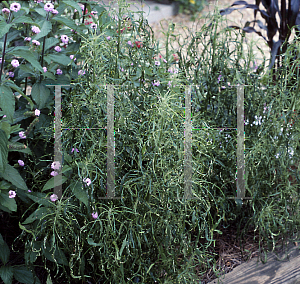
{"points": [[23, 274], [46, 27], [7, 102], [6, 273], [4, 251], [123, 246], [49, 281], [50, 183], [3, 151], [12, 175], [4, 28], [28, 55], [9, 203], [40, 94]]}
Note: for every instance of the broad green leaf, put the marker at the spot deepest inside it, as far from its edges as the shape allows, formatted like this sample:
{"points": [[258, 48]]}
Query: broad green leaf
{"points": [[92, 243], [9, 203], [12, 85], [3, 151], [74, 5], [50, 183], [23, 274], [46, 27], [37, 215], [4, 251], [40, 198], [59, 58], [80, 193], [12, 175], [6, 127], [50, 75], [31, 256], [24, 19], [40, 94], [42, 12], [51, 41], [65, 21], [4, 184], [28, 55], [6, 273], [7, 102], [4, 28]]}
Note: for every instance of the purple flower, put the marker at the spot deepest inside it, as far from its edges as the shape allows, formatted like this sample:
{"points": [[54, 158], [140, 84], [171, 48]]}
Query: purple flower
{"points": [[49, 7], [37, 112], [72, 56], [57, 48], [165, 61], [108, 38], [35, 29], [156, 83], [27, 38], [157, 63], [11, 74], [54, 12], [55, 165], [64, 39], [53, 197], [87, 181], [169, 84], [93, 26], [45, 69], [5, 10], [81, 72], [219, 78], [95, 215], [29, 190], [54, 173], [73, 150], [15, 7], [12, 194], [21, 163], [36, 42], [170, 70], [58, 72], [22, 135], [15, 63], [94, 12], [82, 7]]}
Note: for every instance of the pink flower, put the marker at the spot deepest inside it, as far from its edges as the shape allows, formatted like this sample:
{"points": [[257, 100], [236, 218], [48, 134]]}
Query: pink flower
{"points": [[57, 48], [81, 72], [87, 181], [219, 78], [11, 74], [45, 69], [21, 163], [55, 165], [95, 215], [15, 63], [36, 42], [29, 190], [54, 12], [73, 150], [64, 39], [27, 38], [93, 26], [37, 112], [22, 135], [54, 173], [165, 61], [156, 83], [82, 7], [12, 194], [94, 12], [53, 197], [49, 7], [58, 72], [108, 38], [72, 56], [157, 63], [15, 7], [35, 29], [5, 10]]}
